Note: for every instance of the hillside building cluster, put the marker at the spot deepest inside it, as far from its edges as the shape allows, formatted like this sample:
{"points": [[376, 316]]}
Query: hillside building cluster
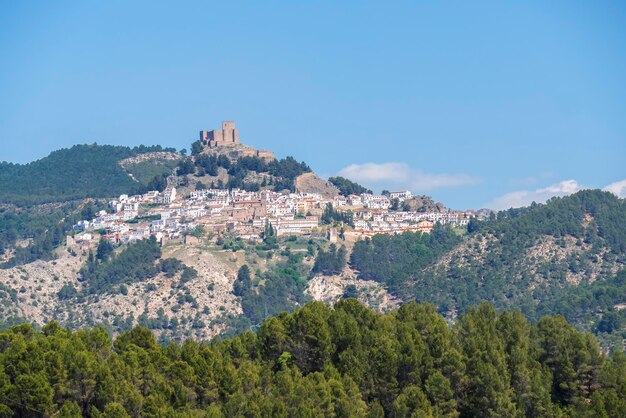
{"points": [[168, 216]]}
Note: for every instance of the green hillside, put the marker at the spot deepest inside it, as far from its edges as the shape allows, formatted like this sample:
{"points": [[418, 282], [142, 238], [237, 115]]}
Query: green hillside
{"points": [[44, 226], [68, 174], [277, 175], [561, 257]]}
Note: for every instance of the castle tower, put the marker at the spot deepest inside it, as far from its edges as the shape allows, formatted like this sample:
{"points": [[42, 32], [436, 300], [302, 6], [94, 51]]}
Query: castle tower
{"points": [[228, 135]]}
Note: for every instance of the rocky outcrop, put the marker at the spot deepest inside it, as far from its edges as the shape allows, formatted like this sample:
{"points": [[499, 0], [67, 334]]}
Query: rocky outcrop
{"points": [[424, 204], [201, 306], [236, 151], [312, 183], [150, 157]]}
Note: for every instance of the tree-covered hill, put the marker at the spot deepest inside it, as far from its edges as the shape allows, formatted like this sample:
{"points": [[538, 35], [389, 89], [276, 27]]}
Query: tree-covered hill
{"points": [[346, 361], [533, 259], [68, 174], [43, 227], [526, 256], [248, 172]]}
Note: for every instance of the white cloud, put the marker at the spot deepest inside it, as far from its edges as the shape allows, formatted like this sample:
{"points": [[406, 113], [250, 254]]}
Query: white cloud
{"points": [[618, 188], [400, 175], [526, 197], [532, 180]]}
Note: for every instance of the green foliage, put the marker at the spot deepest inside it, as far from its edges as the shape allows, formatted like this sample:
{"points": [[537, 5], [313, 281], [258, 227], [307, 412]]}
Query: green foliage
{"points": [[319, 361], [591, 215], [117, 276], [350, 291], [158, 182], [69, 174], [278, 289], [197, 147], [397, 259], [198, 231], [152, 173], [243, 283], [499, 269], [347, 187], [503, 273], [67, 292], [287, 169], [185, 166], [44, 226], [284, 172], [578, 303], [330, 262], [104, 250], [170, 266], [330, 216], [610, 322], [136, 262]]}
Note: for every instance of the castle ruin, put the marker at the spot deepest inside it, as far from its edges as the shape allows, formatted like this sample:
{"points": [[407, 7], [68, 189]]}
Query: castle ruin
{"points": [[228, 135], [225, 141]]}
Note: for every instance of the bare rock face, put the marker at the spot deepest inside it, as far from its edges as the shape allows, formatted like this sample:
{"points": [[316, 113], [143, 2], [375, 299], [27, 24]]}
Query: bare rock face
{"points": [[154, 157], [330, 289], [424, 204], [236, 151], [312, 183], [31, 292]]}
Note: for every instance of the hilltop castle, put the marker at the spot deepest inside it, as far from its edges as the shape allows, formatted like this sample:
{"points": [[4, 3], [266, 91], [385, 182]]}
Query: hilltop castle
{"points": [[226, 141], [228, 135]]}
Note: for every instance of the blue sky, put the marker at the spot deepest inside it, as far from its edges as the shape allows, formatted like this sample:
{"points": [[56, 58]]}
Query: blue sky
{"points": [[475, 103]]}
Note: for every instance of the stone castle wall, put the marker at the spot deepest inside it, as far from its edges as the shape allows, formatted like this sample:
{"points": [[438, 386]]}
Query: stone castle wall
{"points": [[228, 135]]}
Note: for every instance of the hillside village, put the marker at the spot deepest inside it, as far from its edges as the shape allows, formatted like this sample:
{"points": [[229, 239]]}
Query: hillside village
{"points": [[200, 219], [247, 214], [301, 237]]}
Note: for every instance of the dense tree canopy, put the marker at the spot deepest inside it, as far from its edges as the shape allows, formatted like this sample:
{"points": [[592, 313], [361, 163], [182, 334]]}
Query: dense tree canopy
{"points": [[138, 261], [68, 174], [396, 259], [279, 174], [344, 361], [347, 187], [330, 262], [279, 289], [590, 215], [331, 216], [43, 226]]}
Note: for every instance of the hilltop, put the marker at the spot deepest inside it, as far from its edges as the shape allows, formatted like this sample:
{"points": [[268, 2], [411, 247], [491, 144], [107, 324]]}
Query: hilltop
{"points": [[85, 171]]}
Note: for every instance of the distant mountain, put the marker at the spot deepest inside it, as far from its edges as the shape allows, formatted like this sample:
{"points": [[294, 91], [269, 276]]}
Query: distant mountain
{"points": [[76, 173]]}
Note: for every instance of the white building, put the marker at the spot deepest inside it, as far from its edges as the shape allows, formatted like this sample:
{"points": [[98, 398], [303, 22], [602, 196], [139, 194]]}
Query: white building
{"points": [[401, 195]]}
